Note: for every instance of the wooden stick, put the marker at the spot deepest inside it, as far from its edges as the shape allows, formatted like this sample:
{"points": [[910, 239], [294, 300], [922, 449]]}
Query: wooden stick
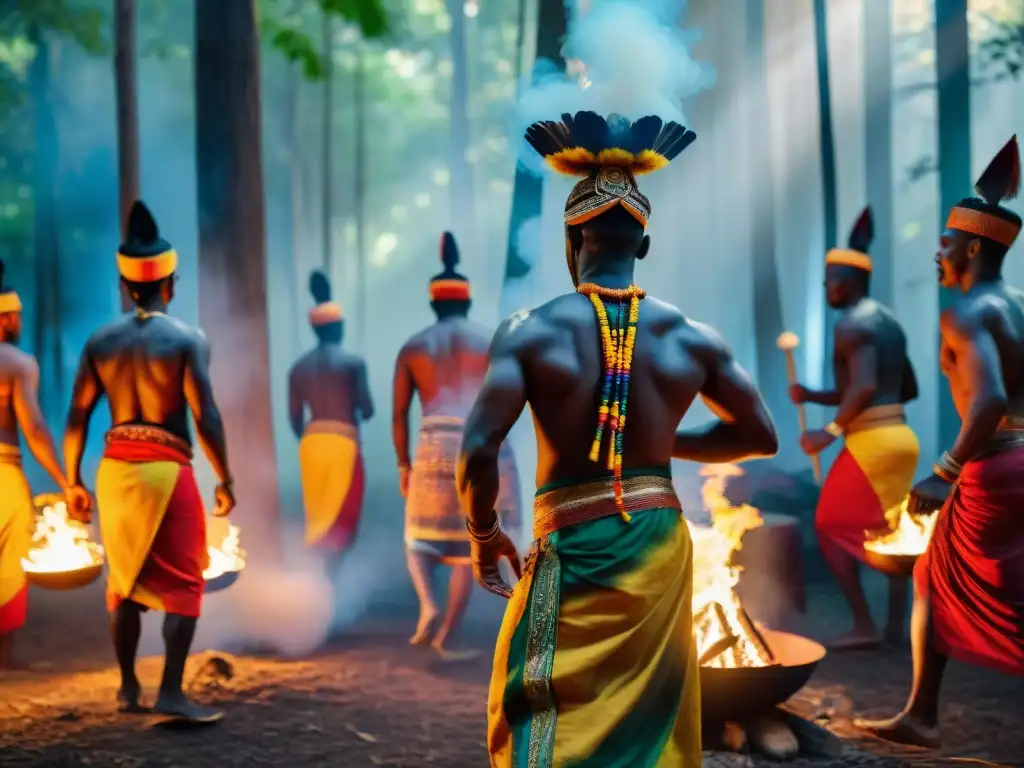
{"points": [[801, 414]]}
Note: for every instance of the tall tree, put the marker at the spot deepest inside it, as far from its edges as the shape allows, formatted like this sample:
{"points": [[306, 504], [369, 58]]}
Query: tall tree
{"points": [[878, 140], [952, 67], [129, 189], [826, 142], [232, 258], [460, 184], [327, 199]]}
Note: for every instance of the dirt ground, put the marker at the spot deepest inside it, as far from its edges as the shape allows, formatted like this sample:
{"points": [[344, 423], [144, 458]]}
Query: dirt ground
{"points": [[367, 700]]}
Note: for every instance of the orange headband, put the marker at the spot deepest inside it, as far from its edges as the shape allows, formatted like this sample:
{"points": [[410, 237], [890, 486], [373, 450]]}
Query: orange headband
{"points": [[449, 290], [845, 257], [147, 269], [326, 313], [9, 302], [983, 225]]}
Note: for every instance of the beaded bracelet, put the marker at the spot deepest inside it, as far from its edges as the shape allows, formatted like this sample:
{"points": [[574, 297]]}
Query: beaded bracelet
{"points": [[489, 535]]}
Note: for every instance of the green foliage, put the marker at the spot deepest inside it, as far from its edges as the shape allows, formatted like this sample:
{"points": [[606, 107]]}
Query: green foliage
{"points": [[1002, 52]]}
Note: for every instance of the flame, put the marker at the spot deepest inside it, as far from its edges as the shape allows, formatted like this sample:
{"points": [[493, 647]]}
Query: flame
{"points": [[227, 557], [910, 535], [60, 543], [726, 637]]}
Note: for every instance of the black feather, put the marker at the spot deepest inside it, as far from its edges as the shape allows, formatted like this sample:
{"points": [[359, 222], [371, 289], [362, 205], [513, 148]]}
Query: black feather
{"points": [[863, 232], [320, 287], [1001, 180], [590, 131], [643, 134], [545, 137], [449, 252], [673, 139], [141, 224]]}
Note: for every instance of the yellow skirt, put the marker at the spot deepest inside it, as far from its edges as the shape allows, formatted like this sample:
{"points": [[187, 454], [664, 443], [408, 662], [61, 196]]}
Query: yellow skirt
{"points": [[16, 521]]}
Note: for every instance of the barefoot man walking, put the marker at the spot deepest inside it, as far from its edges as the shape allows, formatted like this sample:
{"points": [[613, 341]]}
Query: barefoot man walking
{"points": [[969, 584], [874, 472], [445, 364], [153, 370], [595, 664], [19, 407]]}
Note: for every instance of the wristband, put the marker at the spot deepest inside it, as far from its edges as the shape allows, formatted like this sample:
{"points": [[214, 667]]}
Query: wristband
{"points": [[487, 536], [947, 468], [834, 429]]}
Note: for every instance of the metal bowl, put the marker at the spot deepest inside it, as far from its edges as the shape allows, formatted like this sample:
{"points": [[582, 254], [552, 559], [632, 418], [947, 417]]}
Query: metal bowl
{"points": [[891, 564], [735, 693], [222, 582], [64, 580]]}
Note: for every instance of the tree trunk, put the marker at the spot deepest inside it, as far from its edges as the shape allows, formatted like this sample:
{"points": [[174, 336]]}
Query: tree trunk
{"points": [[527, 190], [232, 258], [127, 117], [296, 177], [328, 146], [461, 205], [47, 336], [360, 192], [952, 70], [771, 363], [878, 141], [828, 161]]}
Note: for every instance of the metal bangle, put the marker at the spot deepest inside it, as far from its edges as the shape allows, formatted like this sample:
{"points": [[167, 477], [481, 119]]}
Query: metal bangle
{"points": [[834, 429], [947, 468], [489, 535]]}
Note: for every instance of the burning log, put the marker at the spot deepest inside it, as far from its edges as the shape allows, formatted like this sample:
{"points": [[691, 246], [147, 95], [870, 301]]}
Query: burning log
{"points": [[896, 551], [62, 554], [227, 558]]}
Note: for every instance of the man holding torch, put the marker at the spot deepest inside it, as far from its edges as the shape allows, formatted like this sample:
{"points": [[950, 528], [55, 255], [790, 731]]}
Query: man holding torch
{"points": [[875, 470]]}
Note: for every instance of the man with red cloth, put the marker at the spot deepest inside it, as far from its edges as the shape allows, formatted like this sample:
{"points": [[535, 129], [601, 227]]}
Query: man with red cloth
{"points": [[875, 470], [969, 584], [153, 370]]}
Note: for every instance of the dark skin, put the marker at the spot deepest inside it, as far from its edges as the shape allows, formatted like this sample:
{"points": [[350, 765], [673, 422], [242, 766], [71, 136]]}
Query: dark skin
{"points": [[153, 370], [444, 365], [871, 368], [982, 355], [550, 359], [19, 408]]}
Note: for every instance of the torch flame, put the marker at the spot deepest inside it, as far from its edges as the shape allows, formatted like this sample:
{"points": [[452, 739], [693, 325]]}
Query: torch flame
{"points": [[726, 637], [910, 536], [226, 557], [60, 543]]}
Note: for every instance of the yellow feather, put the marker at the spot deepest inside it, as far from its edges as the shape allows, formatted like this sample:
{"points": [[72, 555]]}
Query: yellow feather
{"points": [[572, 161], [648, 161], [615, 157]]}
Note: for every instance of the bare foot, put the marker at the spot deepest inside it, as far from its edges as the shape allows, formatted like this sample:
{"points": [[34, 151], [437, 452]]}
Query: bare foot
{"points": [[855, 639], [448, 654], [178, 706], [903, 729], [426, 628], [130, 701]]}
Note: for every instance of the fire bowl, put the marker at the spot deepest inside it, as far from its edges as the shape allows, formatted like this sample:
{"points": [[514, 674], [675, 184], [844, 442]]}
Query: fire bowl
{"points": [[736, 693], [891, 564], [221, 582], [64, 580]]}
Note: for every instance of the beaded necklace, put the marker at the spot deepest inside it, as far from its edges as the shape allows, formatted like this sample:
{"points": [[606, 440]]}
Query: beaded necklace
{"points": [[617, 344]]}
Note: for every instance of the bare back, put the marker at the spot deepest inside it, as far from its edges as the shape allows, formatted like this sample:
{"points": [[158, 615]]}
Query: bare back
{"points": [[143, 366], [999, 310], [871, 323], [559, 349], [327, 381], [447, 363], [12, 367]]}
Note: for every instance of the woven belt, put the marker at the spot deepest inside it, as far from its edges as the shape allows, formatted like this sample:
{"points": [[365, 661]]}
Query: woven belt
{"points": [[442, 424], [148, 433], [585, 502], [878, 416], [332, 427]]}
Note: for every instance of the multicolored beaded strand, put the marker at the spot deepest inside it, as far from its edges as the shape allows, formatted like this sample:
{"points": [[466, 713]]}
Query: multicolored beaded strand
{"points": [[617, 344]]}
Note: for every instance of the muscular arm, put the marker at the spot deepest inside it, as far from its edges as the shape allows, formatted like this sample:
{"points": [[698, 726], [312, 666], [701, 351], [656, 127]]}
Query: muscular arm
{"points": [[33, 425], [404, 388], [979, 369], [823, 396], [744, 429], [199, 394], [296, 404], [908, 387], [364, 400], [495, 412], [862, 365], [85, 396]]}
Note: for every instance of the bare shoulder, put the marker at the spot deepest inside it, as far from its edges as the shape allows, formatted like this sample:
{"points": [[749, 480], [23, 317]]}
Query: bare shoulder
{"points": [[16, 362], [527, 329], [971, 313]]}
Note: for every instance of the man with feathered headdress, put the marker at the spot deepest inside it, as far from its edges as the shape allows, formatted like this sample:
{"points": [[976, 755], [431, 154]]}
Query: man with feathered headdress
{"points": [[875, 470], [969, 584], [445, 365], [154, 371], [330, 383], [19, 407], [595, 663]]}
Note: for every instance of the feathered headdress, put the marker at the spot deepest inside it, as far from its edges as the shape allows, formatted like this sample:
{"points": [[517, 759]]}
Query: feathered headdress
{"points": [[856, 252], [9, 300], [144, 256], [610, 154], [324, 311], [984, 216], [449, 285]]}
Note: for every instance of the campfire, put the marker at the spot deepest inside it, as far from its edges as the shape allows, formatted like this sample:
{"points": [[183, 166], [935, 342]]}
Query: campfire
{"points": [[895, 552], [227, 558], [63, 554], [746, 671]]}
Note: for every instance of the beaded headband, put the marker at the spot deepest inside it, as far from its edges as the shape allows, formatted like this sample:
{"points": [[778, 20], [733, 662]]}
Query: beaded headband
{"points": [[326, 313], [147, 269], [9, 302], [856, 252], [999, 181]]}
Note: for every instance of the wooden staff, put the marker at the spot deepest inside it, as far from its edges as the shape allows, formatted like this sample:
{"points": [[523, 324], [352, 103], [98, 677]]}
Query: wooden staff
{"points": [[787, 342]]}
